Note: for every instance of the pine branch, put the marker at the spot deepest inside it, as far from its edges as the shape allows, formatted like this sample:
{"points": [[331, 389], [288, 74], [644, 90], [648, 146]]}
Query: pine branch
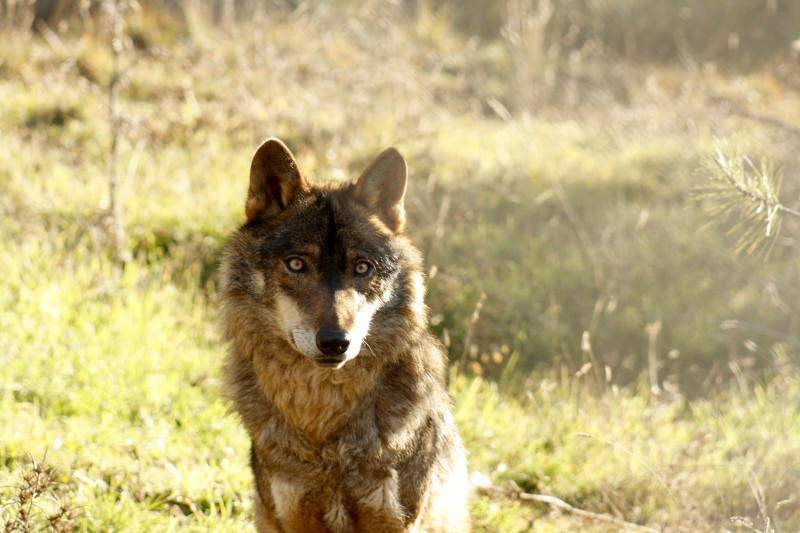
{"points": [[736, 186]]}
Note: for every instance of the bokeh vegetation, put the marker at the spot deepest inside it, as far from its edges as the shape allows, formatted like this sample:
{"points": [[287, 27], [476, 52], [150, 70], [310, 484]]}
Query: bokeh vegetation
{"points": [[610, 347]]}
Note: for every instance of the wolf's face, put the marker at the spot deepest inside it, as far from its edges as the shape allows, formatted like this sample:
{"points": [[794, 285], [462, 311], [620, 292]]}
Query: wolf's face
{"points": [[329, 271], [322, 260]]}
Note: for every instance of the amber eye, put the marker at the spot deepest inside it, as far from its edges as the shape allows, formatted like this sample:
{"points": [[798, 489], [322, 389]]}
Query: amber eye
{"points": [[295, 264], [362, 268]]}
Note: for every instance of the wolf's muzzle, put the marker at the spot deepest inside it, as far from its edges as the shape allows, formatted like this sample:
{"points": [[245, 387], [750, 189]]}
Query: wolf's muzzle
{"points": [[332, 342]]}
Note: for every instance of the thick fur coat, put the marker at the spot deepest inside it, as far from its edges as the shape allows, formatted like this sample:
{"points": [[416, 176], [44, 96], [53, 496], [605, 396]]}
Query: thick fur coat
{"points": [[331, 367]]}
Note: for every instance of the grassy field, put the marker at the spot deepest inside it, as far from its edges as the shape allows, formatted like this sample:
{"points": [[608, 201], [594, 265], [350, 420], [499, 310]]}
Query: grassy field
{"points": [[552, 191]]}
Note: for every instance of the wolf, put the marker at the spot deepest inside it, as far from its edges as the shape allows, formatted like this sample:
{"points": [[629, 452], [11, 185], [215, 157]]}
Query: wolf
{"points": [[331, 365]]}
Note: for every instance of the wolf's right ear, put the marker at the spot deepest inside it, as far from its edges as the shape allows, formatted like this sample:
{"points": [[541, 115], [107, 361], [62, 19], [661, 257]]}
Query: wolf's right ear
{"points": [[275, 181]]}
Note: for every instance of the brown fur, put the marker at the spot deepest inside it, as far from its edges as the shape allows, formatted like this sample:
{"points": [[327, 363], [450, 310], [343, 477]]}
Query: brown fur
{"points": [[355, 440]]}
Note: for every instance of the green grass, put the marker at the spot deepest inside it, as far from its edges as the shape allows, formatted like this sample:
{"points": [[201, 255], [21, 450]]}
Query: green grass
{"points": [[674, 464], [571, 210]]}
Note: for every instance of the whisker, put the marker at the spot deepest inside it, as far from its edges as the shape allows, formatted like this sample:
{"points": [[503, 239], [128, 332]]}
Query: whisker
{"points": [[371, 351]]}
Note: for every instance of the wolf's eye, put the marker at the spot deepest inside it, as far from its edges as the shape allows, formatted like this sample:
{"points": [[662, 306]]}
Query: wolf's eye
{"points": [[362, 268], [295, 264]]}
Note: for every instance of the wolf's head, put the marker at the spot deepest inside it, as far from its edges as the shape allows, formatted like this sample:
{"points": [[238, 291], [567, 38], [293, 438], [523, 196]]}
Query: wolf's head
{"points": [[314, 263]]}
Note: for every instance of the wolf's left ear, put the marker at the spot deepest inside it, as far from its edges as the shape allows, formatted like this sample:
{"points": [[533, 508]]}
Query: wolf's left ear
{"points": [[275, 181], [382, 187]]}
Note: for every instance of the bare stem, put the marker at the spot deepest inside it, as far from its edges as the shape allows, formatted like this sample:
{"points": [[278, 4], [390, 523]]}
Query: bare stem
{"points": [[116, 208], [624, 525]]}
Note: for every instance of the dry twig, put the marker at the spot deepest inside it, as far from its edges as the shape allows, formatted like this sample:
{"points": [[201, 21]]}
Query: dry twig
{"points": [[564, 506]]}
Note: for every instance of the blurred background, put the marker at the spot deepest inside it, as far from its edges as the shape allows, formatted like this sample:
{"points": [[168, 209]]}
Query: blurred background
{"points": [[554, 148], [606, 193]]}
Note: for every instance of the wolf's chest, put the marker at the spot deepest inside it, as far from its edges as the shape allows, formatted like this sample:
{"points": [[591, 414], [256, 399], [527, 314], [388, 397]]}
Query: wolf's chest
{"points": [[341, 504]]}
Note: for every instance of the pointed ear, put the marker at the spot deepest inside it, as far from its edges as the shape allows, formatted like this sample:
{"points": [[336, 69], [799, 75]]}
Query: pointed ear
{"points": [[275, 181], [382, 187]]}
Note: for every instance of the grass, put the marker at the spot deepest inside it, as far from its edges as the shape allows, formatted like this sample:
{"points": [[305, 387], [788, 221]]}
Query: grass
{"points": [[676, 465], [569, 208]]}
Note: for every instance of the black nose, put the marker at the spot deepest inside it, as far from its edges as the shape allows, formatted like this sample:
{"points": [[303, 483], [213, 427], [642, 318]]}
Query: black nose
{"points": [[332, 341]]}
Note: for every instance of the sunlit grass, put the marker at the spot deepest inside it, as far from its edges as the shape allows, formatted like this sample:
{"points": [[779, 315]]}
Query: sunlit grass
{"points": [[574, 224], [112, 376], [683, 465]]}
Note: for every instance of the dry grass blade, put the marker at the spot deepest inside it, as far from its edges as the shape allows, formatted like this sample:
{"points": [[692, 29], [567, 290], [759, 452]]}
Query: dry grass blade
{"points": [[618, 446]]}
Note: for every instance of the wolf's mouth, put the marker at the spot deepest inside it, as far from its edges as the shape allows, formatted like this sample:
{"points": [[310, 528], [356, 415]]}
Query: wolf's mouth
{"points": [[329, 362]]}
